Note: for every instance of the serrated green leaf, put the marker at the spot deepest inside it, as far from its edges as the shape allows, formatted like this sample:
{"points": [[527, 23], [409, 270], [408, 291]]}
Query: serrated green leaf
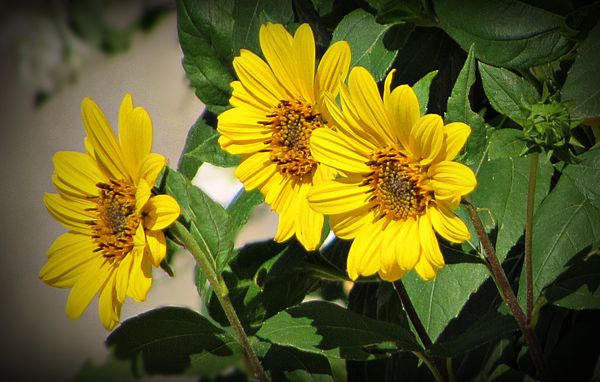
{"points": [[490, 327], [206, 219], [249, 15], [578, 288], [165, 338], [506, 33], [241, 208], [369, 41], [211, 152], [196, 136], [328, 329], [566, 222], [421, 88], [508, 92], [459, 110], [582, 86]]}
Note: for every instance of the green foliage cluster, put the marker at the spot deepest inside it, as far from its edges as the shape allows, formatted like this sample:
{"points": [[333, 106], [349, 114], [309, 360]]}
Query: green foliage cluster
{"points": [[483, 62]]}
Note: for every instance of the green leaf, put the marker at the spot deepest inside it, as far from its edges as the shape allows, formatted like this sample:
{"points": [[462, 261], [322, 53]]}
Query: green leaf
{"points": [[165, 338], [502, 186], [566, 222], [507, 92], [249, 15], [459, 110], [421, 88], [328, 329], [289, 364], [241, 208], [374, 46], [205, 29], [490, 327], [506, 33], [506, 143], [578, 287], [206, 219], [503, 373], [111, 370], [582, 86], [211, 152], [392, 11]]}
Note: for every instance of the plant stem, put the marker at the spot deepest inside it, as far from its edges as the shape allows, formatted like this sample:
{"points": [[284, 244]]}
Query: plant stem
{"points": [[533, 165], [431, 366], [420, 329], [507, 294], [218, 285]]}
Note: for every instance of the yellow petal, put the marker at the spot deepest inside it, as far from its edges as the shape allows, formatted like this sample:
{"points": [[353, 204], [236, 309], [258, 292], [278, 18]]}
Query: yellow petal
{"points": [[403, 110], [68, 258], [109, 307], [140, 278], [88, 285], [157, 245], [364, 254], [102, 139], [309, 223], [334, 67], [338, 196], [387, 91], [135, 136], [336, 151], [276, 45], [241, 97], [426, 138], [241, 126], [142, 195], [408, 247], [255, 170], [122, 277], [425, 270], [287, 220], [151, 166], [447, 224], [76, 173], [303, 51], [391, 274], [258, 78], [430, 247], [160, 212], [73, 214], [346, 226], [456, 135], [125, 109], [389, 250], [451, 177]]}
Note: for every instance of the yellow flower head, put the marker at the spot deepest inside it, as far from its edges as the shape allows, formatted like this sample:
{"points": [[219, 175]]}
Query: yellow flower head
{"points": [[400, 184], [105, 199], [276, 108]]}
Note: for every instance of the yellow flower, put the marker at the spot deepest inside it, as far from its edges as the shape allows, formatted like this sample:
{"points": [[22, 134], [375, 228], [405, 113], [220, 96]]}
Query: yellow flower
{"points": [[105, 199], [400, 184], [276, 108]]}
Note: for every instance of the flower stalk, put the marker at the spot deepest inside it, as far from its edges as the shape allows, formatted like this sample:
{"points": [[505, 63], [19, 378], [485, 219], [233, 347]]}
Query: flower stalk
{"points": [[507, 294], [533, 165], [220, 288]]}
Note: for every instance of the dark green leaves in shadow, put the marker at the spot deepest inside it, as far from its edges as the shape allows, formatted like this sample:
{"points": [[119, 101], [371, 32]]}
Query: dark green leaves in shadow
{"points": [[506, 33], [165, 339], [328, 329]]}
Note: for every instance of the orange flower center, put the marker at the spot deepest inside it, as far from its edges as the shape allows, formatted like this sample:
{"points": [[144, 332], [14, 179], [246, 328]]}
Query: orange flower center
{"points": [[293, 122], [398, 185], [117, 221]]}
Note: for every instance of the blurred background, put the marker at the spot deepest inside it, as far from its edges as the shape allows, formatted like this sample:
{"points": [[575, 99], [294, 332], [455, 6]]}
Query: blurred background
{"points": [[52, 55]]}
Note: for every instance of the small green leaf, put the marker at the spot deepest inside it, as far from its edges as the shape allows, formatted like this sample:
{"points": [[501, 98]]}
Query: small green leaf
{"points": [[566, 221], [421, 88], [328, 329], [165, 338], [241, 208], [206, 219], [506, 33], [508, 92], [370, 41], [582, 86], [490, 327], [578, 288], [211, 152]]}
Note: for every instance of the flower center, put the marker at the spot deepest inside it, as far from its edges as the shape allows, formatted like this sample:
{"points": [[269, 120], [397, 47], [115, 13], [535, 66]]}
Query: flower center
{"points": [[117, 221], [398, 185], [293, 122]]}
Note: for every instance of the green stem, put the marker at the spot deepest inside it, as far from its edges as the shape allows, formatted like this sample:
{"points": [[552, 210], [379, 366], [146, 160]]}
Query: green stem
{"points": [[507, 294], [431, 366], [218, 285], [533, 165]]}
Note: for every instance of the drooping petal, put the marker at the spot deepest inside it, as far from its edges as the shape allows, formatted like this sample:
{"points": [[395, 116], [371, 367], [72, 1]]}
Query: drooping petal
{"points": [[456, 136], [160, 212], [255, 170], [408, 247], [157, 245], [429, 244], [425, 270], [102, 139], [347, 225], [142, 195], [135, 136], [426, 138], [122, 277], [287, 218], [364, 255], [452, 177], [334, 67], [338, 196], [447, 224], [87, 286], [303, 51], [334, 150], [140, 277], [276, 45], [257, 78], [389, 250], [73, 214], [68, 258], [108, 305], [125, 109], [309, 223], [151, 166], [403, 110], [76, 174]]}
